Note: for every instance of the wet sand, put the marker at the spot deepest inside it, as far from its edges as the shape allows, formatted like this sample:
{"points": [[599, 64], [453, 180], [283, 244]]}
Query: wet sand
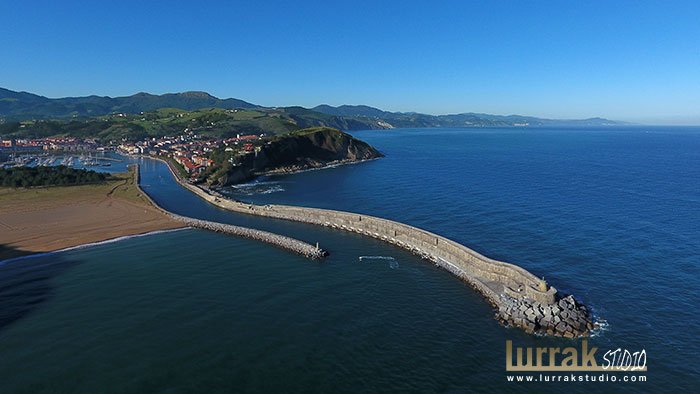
{"points": [[47, 219]]}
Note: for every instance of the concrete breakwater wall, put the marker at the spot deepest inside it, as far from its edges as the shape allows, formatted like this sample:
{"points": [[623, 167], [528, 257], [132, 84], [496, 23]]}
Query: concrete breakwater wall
{"points": [[521, 299], [284, 242]]}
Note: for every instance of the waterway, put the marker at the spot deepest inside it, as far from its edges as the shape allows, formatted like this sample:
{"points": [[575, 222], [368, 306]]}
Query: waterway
{"points": [[607, 214]]}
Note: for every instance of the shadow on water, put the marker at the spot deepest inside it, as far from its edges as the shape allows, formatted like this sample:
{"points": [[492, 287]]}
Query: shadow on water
{"points": [[8, 252], [26, 282]]}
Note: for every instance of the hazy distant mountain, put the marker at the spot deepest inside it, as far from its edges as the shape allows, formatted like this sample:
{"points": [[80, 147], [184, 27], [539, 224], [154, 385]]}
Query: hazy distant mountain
{"points": [[351, 110], [23, 105], [413, 119], [15, 106]]}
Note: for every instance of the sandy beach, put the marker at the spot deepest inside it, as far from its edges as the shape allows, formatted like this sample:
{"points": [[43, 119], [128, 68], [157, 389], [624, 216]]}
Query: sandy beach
{"points": [[46, 219]]}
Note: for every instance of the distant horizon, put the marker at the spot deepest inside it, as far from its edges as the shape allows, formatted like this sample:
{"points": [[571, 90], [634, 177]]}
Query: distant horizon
{"points": [[628, 60], [672, 120], [631, 123]]}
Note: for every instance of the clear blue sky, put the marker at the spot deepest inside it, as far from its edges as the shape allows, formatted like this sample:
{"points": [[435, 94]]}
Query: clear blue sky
{"points": [[628, 60]]}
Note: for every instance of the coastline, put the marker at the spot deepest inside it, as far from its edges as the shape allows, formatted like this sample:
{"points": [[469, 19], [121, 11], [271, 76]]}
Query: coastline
{"points": [[87, 245], [288, 243], [54, 219], [38, 240], [331, 164], [521, 299]]}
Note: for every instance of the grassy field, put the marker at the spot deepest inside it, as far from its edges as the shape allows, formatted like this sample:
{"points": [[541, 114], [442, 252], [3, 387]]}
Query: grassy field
{"points": [[209, 122], [18, 199], [212, 122]]}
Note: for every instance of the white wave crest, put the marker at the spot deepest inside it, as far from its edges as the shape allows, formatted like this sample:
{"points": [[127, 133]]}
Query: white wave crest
{"points": [[249, 189], [600, 326], [362, 258], [91, 244], [393, 264]]}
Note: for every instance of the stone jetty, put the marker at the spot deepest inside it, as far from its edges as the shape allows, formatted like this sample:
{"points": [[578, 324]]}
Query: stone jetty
{"points": [[566, 317], [520, 298], [284, 242]]}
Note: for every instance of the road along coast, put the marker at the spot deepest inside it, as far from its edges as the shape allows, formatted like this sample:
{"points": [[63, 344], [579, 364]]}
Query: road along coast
{"points": [[521, 299], [288, 243]]}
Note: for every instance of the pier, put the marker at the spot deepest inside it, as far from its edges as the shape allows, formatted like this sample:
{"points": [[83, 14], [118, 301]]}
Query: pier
{"points": [[521, 298], [288, 243]]}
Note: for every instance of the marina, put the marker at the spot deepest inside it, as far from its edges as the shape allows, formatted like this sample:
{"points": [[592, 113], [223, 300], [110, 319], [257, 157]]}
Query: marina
{"points": [[88, 160]]}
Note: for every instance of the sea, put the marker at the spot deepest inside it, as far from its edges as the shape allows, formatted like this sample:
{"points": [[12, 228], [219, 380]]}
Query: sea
{"points": [[610, 215]]}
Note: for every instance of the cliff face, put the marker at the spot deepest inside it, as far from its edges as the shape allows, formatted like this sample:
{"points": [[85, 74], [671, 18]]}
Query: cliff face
{"points": [[303, 149]]}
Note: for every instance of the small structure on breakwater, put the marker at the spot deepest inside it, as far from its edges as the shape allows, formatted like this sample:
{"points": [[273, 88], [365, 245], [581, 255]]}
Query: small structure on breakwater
{"points": [[521, 299]]}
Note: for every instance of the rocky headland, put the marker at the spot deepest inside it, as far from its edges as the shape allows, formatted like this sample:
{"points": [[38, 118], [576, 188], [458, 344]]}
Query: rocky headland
{"points": [[296, 151]]}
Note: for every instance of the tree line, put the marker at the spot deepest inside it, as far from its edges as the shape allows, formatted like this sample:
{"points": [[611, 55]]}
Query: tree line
{"points": [[48, 176]]}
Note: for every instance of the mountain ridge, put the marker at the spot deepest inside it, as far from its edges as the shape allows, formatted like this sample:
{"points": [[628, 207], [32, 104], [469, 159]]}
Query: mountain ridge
{"points": [[465, 118], [22, 105]]}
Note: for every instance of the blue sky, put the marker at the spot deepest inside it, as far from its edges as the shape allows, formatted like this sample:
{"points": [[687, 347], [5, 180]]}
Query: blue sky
{"points": [[627, 60]]}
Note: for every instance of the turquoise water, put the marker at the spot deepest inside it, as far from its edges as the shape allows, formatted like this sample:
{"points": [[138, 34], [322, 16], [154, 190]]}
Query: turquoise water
{"points": [[609, 215]]}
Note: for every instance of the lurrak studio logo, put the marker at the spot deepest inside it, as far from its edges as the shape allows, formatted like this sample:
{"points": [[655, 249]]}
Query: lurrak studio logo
{"points": [[570, 359]]}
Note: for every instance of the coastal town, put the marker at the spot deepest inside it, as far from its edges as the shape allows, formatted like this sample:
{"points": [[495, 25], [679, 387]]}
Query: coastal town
{"points": [[191, 151]]}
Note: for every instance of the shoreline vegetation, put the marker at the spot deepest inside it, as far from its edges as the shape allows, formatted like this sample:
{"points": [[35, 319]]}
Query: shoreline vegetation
{"points": [[47, 219], [42, 176]]}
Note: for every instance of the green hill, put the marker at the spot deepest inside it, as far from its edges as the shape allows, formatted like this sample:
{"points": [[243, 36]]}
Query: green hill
{"points": [[302, 149], [22, 106], [211, 122]]}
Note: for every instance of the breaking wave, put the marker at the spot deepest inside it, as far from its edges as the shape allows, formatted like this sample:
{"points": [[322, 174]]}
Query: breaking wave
{"points": [[256, 187], [362, 258], [601, 326], [393, 264], [90, 244]]}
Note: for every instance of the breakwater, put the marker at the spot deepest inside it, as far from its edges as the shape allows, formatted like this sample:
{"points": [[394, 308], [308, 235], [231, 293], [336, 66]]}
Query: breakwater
{"points": [[288, 243], [521, 299], [284, 242]]}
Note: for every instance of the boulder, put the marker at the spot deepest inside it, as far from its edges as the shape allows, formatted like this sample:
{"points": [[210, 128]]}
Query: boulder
{"points": [[561, 327]]}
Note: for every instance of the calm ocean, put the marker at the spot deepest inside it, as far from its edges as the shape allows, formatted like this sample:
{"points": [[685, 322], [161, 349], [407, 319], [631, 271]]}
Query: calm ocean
{"points": [[611, 215]]}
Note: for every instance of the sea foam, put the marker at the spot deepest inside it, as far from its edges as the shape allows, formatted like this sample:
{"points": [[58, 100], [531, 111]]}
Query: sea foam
{"points": [[88, 245]]}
